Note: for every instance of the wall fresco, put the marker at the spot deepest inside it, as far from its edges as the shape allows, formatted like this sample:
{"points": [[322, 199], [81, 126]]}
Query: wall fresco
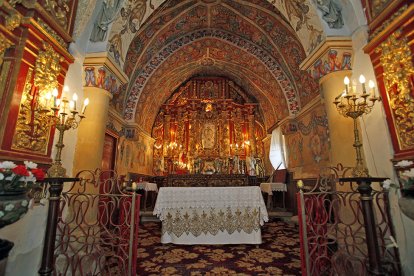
{"points": [[135, 155], [334, 60], [307, 142]]}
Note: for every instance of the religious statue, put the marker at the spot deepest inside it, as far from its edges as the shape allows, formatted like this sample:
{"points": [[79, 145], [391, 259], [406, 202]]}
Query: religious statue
{"points": [[236, 165], [218, 163], [331, 13], [107, 13], [197, 165], [251, 165]]}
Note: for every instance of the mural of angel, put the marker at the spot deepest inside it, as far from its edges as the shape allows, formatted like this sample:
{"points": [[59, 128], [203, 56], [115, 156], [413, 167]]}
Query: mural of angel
{"points": [[133, 15]]}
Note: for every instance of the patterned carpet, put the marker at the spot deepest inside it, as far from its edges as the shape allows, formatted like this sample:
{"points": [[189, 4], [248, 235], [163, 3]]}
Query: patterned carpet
{"points": [[277, 255]]}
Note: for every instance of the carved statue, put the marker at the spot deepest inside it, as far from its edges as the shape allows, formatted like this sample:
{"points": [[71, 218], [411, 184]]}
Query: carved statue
{"points": [[251, 163], [331, 13]]}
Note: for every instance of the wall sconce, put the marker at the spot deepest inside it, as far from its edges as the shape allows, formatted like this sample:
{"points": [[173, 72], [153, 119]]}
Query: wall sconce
{"points": [[63, 117], [352, 104]]}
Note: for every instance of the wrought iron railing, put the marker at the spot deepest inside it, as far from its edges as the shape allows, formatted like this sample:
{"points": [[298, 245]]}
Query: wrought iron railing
{"points": [[333, 229], [97, 227]]}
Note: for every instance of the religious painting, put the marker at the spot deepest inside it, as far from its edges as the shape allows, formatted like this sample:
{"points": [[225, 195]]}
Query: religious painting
{"points": [[208, 138]]}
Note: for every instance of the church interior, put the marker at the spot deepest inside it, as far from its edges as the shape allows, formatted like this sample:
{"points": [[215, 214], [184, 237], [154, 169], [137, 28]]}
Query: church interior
{"points": [[206, 121]]}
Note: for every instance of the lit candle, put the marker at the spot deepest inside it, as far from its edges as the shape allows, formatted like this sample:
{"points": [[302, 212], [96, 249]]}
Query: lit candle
{"points": [[48, 96], [57, 102], [75, 98], [371, 85], [85, 104], [55, 94], [71, 105], [346, 82], [362, 81]]}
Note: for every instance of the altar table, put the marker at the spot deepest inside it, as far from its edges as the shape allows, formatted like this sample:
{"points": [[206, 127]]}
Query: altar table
{"points": [[147, 187], [269, 188], [211, 215]]}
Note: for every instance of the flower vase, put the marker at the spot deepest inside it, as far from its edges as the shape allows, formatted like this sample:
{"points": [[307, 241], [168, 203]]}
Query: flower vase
{"points": [[406, 202]]}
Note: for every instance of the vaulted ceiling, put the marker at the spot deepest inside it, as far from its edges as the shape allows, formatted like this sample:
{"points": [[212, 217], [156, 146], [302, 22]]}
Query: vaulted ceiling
{"points": [[250, 42]]}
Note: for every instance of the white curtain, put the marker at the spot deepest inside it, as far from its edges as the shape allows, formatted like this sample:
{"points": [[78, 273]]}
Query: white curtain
{"points": [[277, 150]]}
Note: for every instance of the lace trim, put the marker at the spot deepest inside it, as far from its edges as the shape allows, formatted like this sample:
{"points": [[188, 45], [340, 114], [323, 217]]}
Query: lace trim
{"points": [[211, 221]]}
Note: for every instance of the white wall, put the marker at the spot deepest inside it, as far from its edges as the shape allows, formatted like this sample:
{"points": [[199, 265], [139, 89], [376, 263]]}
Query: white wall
{"points": [[378, 151]]}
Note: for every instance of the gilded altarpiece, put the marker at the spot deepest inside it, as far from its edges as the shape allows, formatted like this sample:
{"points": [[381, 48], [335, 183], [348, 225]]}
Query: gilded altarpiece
{"points": [[34, 58], [209, 125], [391, 50]]}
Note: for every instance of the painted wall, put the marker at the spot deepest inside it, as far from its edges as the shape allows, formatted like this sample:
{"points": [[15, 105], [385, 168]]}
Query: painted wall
{"points": [[135, 155], [307, 142]]}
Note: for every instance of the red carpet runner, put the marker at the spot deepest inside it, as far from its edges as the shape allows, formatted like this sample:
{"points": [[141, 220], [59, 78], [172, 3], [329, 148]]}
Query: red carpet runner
{"points": [[278, 255]]}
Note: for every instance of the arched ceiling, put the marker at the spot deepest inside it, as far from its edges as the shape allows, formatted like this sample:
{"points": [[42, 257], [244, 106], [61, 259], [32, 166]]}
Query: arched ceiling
{"points": [[250, 42]]}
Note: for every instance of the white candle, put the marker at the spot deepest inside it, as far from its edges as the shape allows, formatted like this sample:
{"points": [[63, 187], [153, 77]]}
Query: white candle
{"points": [[362, 81], [346, 82], [134, 186], [55, 94], [371, 85], [75, 98], [85, 104]]}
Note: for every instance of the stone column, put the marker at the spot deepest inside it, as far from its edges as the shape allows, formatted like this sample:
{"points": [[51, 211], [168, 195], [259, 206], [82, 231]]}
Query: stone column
{"points": [[91, 132], [329, 65]]}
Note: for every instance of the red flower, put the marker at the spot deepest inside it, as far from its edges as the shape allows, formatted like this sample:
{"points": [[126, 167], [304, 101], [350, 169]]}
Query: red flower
{"points": [[39, 174], [21, 170]]}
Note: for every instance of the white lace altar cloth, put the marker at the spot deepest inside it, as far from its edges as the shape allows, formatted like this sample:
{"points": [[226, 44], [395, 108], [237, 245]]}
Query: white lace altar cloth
{"points": [[173, 200], [273, 187], [147, 186]]}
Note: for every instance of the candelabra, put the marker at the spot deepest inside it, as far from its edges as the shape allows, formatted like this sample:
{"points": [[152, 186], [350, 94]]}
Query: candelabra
{"points": [[63, 117], [352, 104]]}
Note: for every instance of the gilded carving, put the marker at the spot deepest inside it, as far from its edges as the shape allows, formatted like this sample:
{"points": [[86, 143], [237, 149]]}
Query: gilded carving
{"points": [[59, 9], [396, 59], [4, 44], [31, 133], [51, 32], [13, 21], [47, 69]]}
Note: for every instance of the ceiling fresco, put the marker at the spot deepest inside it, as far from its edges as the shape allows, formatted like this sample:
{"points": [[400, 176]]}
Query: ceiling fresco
{"points": [[212, 57], [256, 43]]}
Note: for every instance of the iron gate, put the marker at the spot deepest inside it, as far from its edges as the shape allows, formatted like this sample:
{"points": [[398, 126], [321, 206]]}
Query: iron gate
{"points": [[331, 223], [97, 227]]}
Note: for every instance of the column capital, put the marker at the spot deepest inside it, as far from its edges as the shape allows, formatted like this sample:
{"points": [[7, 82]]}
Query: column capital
{"points": [[101, 71], [334, 54]]}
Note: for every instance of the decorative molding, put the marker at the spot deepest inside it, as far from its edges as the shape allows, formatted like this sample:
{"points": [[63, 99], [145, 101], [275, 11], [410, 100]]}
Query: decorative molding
{"points": [[396, 60], [101, 71], [4, 45], [334, 54], [49, 31], [59, 10]]}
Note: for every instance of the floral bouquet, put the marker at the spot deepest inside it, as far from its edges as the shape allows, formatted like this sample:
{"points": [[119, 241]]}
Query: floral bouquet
{"points": [[18, 178], [406, 176]]}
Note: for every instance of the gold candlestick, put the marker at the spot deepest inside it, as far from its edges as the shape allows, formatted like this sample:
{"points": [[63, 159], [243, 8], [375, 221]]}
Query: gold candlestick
{"points": [[355, 105], [63, 121]]}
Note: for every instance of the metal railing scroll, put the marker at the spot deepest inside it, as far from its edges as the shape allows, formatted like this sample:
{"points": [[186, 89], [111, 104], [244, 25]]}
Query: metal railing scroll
{"points": [[332, 230], [97, 227]]}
